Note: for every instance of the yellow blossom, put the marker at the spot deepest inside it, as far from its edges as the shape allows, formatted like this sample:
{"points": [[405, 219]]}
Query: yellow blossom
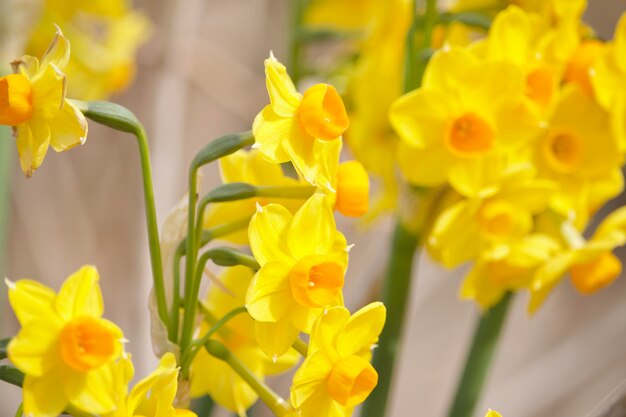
{"points": [[65, 349], [303, 260], [340, 14], [210, 375], [466, 115], [33, 102], [337, 375], [304, 129], [154, 395]]}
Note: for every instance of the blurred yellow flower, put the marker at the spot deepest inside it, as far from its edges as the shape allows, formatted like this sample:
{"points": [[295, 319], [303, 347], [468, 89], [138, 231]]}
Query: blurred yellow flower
{"points": [[65, 349], [304, 129], [33, 102], [337, 375], [213, 376], [105, 35], [340, 14], [303, 260]]}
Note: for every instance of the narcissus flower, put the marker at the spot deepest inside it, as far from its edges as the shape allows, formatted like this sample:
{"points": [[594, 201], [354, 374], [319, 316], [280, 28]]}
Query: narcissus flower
{"points": [[212, 376], [303, 261], [304, 129], [337, 375], [33, 102], [65, 349], [154, 395]]}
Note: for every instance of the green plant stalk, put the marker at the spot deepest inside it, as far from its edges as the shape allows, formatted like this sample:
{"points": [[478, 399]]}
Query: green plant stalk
{"points": [[295, 50], [301, 347], [479, 359], [120, 118], [273, 401], [395, 295], [216, 149]]}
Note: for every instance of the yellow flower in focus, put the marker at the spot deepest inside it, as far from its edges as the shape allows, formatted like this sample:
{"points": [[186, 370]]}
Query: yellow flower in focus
{"points": [[33, 102], [466, 114], [507, 267], [303, 261], [304, 129], [214, 377], [105, 35], [154, 395], [590, 263], [65, 349], [252, 168], [337, 375], [464, 230]]}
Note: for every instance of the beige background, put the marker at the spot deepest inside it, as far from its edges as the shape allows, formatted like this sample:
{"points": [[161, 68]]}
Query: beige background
{"points": [[202, 76]]}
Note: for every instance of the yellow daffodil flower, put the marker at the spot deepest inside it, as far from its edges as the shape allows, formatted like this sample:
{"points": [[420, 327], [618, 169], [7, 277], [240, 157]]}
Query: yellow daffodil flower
{"points": [[303, 261], [337, 375], [466, 114], [590, 263], [492, 413], [65, 349], [340, 14], [252, 168], [304, 129], [154, 395], [105, 35], [214, 377], [33, 101], [507, 267], [468, 227], [579, 152]]}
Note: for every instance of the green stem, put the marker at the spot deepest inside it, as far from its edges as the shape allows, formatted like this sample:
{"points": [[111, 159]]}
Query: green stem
{"points": [[120, 118], [301, 347], [203, 407], [295, 52], [479, 359], [216, 149], [273, 401], [395, 294], [175, 309]]}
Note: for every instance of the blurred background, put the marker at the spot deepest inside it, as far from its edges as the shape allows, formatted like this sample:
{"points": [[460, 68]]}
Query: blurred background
{"points": [[201, 76]]}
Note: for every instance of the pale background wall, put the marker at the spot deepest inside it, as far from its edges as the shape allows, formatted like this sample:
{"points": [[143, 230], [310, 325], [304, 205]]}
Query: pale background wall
{"points": [[202, 76]]}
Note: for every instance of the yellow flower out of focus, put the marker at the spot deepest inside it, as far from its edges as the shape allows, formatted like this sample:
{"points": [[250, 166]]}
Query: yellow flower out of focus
{"points": [[212, 376], [303, 261], [65, 349], [33, 102], [105, 35], [337, 375], [154, 395], [304, 129]]}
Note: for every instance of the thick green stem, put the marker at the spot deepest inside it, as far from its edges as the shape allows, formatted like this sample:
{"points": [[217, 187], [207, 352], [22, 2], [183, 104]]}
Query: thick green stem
{"points": [[395, 295], [273, 401], [301, 347], [479, 359]]}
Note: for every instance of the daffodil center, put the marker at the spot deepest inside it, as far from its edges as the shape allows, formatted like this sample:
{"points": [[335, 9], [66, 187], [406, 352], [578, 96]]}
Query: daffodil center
{"points": [[589, 277], [86, 343], [316, 281], [322, 113], [496, 218], [540, 85], [562, 150], [579, 67], [469, 135], [352, 189], [351, 380], [15, 100]]}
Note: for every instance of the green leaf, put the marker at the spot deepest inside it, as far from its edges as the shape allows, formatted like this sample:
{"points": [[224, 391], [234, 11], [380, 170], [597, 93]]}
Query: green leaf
{"points": [[12, 375], [4, 343]]}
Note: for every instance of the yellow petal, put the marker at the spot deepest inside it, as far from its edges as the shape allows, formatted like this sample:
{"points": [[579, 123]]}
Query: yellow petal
{"points": [[269, 295], [427, 167], [68, 129], [420, 117], [310, 378], [325, 331], [270, 132], [224, 213], [58, 53], [44, 397], [275, 339], [162, 383], [312, 230], [80, 295], [31, 300], [362, 330], [96, 391], [48, 93], [268, 233], [34, 350], [31, 148], [283, 95], [304, 152]]}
